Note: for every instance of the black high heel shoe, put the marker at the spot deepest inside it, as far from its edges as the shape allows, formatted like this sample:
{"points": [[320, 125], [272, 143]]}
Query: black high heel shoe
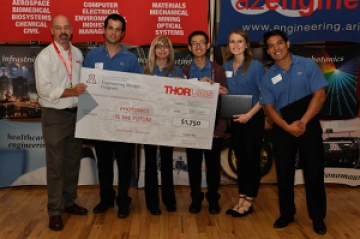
{"points": [[244, 212], [231, 211]]}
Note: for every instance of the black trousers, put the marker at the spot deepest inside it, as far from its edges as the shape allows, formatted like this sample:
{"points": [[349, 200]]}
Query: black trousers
{"points": [[246, 142], [124, 154], [311, 156], [151, 177], [212, 162]]}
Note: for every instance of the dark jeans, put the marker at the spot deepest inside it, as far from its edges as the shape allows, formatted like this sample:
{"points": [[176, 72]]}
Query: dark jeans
{"points": [[124, 154], [246, 142], [151, 177], [311, 156], [212, 162]]}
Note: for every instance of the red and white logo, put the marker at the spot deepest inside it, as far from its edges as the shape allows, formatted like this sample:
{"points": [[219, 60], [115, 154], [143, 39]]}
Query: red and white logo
{"points": [[292, 8], [185, 91]]}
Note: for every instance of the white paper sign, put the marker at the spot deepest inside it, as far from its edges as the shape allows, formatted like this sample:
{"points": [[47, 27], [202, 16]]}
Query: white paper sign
{"points": [[144, 109]]}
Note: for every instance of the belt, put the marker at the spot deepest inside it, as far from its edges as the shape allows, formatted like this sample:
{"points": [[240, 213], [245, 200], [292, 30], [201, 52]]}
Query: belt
{"points": [[71, 110]]}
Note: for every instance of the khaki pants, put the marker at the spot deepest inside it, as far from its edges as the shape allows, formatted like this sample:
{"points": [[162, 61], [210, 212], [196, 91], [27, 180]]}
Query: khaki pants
{"points": [[63, 154]]}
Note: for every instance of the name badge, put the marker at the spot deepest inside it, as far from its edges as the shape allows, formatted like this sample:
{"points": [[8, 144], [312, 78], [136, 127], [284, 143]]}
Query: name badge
{"points": [[228, 74], [276, 79], [99, 65]]}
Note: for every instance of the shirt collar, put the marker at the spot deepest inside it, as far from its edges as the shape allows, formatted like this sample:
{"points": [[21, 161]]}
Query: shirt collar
{"points": [[122, 50], [294, 60], [196, 67], [231, 64], [61, 48], [157, 70]]}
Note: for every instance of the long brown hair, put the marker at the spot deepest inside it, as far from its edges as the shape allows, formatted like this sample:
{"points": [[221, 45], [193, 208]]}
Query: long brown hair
{"points": [[248, 56], [150, 64]]}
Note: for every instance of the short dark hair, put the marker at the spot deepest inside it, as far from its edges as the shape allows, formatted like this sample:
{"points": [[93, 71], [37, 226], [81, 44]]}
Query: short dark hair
{"points": [[115, 17], [196, 33], [272, 33]]}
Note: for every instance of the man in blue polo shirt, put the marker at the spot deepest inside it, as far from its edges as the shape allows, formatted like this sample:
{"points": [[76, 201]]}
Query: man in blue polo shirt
{"points": [[206, 71], [285, 87], [113, 56]]}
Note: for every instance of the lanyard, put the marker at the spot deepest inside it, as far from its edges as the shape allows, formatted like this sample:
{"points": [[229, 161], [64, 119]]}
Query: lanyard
{"points": [[69, 71]]}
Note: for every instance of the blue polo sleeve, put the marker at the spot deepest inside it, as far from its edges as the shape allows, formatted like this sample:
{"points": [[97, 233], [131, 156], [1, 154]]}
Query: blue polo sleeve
{"points": [[141, 69], [316, 77], [266, 96], [259, 71], [88, 61], [134, 64]]}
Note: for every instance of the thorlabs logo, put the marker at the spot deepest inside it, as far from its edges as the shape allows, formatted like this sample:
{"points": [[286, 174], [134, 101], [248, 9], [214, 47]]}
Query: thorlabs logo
{"points": [[185, 91], [291, 8]]}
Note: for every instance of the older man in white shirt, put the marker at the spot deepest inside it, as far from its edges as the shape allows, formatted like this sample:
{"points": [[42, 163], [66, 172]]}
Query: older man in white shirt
{"points": [[57, 72]]}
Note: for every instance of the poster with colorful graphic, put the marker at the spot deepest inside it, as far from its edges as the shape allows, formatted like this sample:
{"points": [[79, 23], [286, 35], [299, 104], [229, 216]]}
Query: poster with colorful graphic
{"points": [[340, 67], [18, 97]]}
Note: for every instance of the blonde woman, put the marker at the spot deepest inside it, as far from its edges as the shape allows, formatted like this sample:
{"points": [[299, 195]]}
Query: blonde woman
{"points": [[160, 62], [247, 130]]}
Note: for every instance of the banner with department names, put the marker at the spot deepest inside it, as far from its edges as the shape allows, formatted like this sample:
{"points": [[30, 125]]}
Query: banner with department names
{"points": [[30, 20]]}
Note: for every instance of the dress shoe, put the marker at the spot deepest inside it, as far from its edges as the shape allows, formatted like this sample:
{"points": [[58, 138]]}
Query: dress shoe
{"points": [[102, 207], [195, 208], [214, 207], [171, 208], [124, 210], [319, 226], [55, 223], [283, 222], [76, 210], [155, 211]]}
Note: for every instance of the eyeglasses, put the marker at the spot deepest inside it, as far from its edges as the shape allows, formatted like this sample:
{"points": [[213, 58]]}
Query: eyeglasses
{"points": [[200, 44], [162, 47]]}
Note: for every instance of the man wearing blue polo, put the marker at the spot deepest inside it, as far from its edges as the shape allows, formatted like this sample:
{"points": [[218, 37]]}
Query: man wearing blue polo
{"points": [[289, 82], [206, 71], [113, 56]]}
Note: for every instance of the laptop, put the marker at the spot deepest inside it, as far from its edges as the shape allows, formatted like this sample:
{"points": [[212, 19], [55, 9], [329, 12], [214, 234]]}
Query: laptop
{"points": [[295, 110], [234, 105]]}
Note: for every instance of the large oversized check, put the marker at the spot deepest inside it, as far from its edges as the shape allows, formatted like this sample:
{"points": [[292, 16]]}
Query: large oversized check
{"points": [[144, 109]]}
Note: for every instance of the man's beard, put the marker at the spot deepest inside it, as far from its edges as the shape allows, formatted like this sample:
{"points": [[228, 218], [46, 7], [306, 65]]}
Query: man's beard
{"points": [[64, 37]]}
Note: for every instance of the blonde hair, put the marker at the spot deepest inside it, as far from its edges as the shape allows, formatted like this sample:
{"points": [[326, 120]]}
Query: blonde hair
{"points": [[248, 56], [151, 60]]}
